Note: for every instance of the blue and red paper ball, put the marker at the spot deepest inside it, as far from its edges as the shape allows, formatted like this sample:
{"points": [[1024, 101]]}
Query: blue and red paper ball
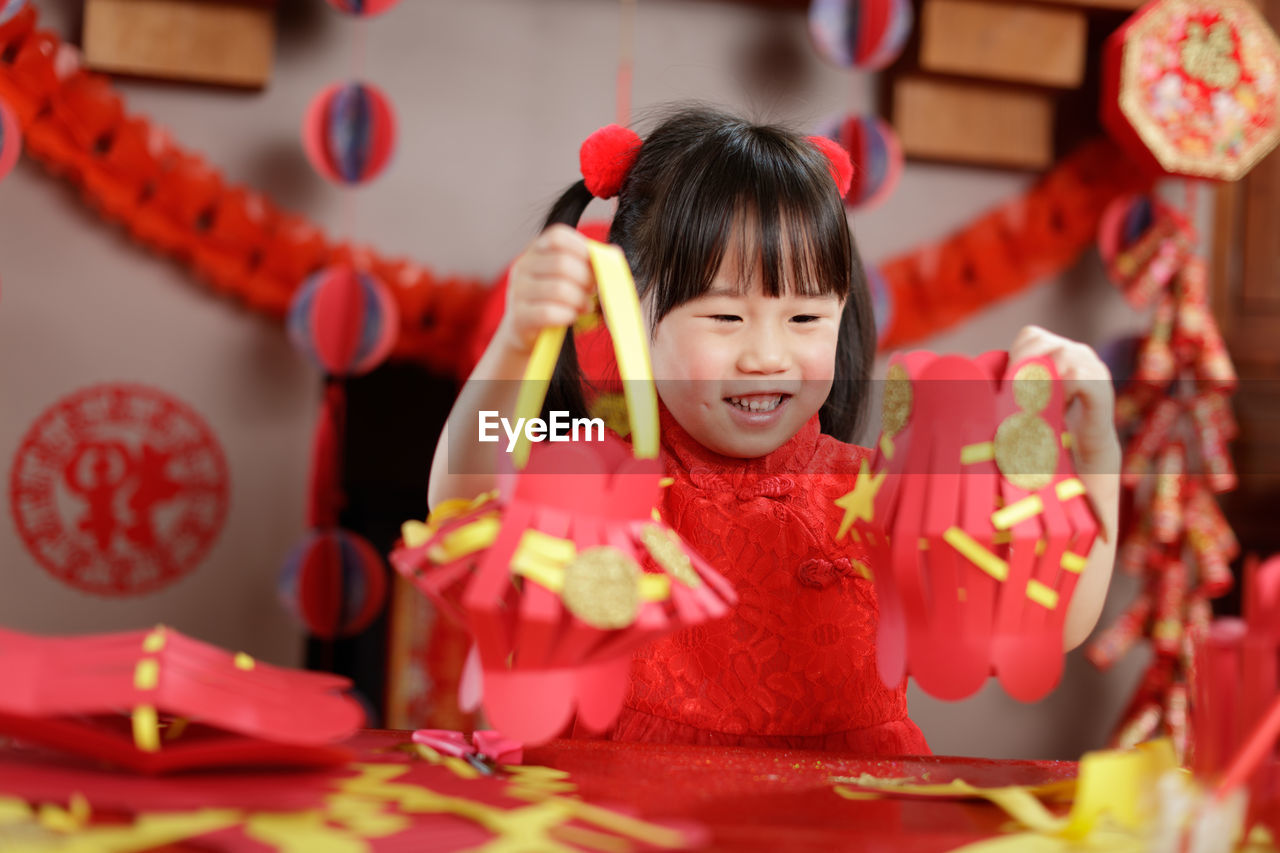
{"points": [[344, 320], [349, 132]]}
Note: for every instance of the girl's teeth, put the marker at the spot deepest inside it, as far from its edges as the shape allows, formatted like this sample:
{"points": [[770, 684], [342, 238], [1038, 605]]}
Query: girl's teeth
{"points": [[757, 404]]}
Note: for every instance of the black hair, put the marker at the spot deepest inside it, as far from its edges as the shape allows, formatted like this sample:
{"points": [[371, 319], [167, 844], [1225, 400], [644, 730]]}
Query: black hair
{"points": [[702, 173]]}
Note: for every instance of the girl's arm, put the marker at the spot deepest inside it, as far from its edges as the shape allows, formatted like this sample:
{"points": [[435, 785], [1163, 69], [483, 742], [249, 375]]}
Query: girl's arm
{"points": [[550, 285], [1097, 450]]}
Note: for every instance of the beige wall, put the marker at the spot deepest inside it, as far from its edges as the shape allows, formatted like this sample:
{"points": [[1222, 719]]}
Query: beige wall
{"points": [[494, 97]]}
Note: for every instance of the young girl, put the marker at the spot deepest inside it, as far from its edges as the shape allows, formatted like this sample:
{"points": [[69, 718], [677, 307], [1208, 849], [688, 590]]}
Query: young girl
{"points": [[762, 339]]}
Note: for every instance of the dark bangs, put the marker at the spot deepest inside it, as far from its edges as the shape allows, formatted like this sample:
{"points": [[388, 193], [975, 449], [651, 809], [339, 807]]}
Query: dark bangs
{"points": [[699, 179]]}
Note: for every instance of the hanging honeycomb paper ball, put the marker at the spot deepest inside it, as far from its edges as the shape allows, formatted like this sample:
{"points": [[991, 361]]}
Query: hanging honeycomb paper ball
{"points": [[10, 8], [860, 33], [345, 321], [349, 132], [876, 155], [334, 582], [10, 138], [362, 8], [881, 300]]}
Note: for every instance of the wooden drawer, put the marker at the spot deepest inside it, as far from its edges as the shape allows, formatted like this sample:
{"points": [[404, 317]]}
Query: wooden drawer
{"points": [[210, 41], [1019, 43], [973, 123]]}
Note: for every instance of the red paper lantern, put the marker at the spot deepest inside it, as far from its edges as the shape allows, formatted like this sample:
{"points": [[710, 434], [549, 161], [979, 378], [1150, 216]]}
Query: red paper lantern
{"points": [[561, 581], [876, 155], [881, 300], [362, 8], [344, 320], [569, 569], [1190, 87], [861, 33], [978, 532], [10, 139], [334, 582], [349, 132], [10, 8]]}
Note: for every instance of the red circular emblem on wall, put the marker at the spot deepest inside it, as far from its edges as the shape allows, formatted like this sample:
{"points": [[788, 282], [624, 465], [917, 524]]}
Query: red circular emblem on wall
{"points": [[119, 489]]}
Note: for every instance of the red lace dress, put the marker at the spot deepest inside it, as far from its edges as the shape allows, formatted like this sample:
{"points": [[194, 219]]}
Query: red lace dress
{"points": [[793, 665]]}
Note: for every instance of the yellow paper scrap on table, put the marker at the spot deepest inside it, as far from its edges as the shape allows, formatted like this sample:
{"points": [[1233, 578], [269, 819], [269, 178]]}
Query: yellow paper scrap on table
{"points": [[1120, 802]]}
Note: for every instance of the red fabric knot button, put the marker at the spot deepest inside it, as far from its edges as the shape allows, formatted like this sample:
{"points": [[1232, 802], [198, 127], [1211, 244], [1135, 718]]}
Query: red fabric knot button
{"points": [[820, 573], [765, 487]]}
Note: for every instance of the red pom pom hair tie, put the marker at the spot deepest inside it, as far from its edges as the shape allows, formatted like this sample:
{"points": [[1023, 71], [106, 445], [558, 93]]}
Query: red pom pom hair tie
{"points": [[606, 157], [837, 161]]}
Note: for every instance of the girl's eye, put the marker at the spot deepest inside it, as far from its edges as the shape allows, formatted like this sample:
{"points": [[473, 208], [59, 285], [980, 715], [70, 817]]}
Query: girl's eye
{"points": [[806, 318], [725, 318]]}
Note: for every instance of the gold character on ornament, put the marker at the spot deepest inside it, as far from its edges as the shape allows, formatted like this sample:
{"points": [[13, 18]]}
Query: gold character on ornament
{"points": [[1209, 56]]}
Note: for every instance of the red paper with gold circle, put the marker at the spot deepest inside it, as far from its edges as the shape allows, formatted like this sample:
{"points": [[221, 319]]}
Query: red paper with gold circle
{"points": [[1190, 87]]}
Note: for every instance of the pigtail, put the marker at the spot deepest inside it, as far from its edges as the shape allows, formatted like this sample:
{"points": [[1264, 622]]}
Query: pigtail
{"points": [[844, 413], [564, 394]]}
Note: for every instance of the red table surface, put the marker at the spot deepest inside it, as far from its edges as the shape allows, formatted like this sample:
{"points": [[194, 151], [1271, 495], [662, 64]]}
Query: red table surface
{"points": [[776, 799], [748, 799]]}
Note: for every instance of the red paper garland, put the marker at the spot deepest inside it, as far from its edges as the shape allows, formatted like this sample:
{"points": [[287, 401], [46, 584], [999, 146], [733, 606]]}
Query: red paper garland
{"points": [[176, 204]]}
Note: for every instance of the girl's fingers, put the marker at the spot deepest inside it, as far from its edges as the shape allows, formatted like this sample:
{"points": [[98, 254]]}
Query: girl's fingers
{"points": [[554, 290], [540, 315], [561, 265]]}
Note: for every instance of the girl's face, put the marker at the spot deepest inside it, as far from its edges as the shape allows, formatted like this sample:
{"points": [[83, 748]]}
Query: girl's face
{"points": [[742, 371]]}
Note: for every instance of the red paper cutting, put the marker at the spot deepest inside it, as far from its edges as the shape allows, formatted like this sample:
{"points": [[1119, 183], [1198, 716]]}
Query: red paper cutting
{"points": [[157, 701], [978, 531]]}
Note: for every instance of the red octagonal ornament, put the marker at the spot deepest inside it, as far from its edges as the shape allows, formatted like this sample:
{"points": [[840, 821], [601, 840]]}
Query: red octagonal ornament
{"points": [[1190, 87]]}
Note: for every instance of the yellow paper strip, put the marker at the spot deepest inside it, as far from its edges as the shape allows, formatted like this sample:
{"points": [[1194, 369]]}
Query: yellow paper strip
{"points": [[886, 447], [1041, 594], [971, 550], [550, 548], [1073, 562], [621, 307], [1017, 512], [415, 533], [546, 574], [146, 728], [154, 641], [1069, 489], [146, 674], [655, 587], [1001, 537], [467, 539], [1067, 440], [971, 454], [244, 661], [533, 388]]}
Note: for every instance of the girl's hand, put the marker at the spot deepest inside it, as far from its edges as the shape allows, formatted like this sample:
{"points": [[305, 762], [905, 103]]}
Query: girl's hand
{"points": [[1087, 381], [551, 284]]}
